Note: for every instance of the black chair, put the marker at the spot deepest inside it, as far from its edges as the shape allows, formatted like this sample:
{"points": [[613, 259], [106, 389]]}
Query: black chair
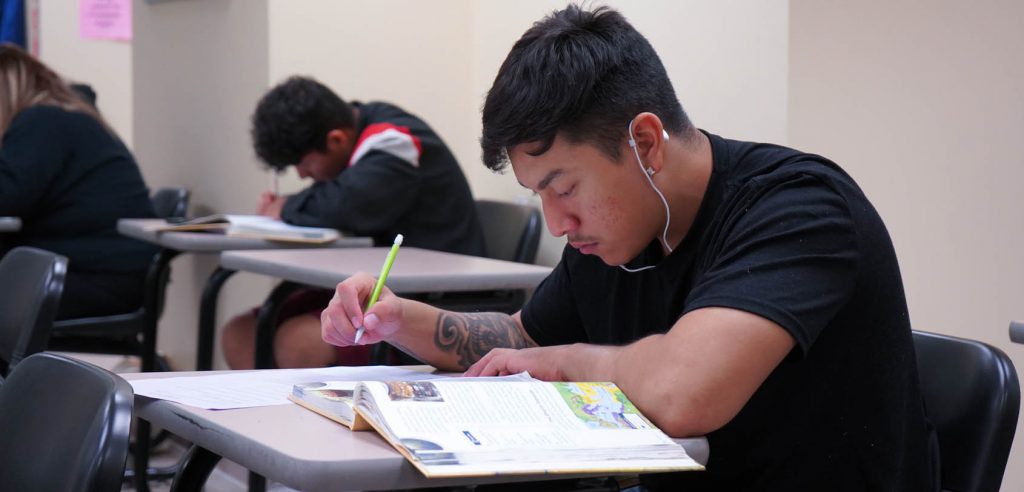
{"points": [[32, 281], [170, 203], [131, 333], [972, 395], [511, 233], [65, 426]]}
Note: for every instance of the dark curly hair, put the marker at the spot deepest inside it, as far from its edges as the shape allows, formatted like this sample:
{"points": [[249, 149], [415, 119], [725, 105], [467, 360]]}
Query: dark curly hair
{"points": [[583, 74], [293, 119]]}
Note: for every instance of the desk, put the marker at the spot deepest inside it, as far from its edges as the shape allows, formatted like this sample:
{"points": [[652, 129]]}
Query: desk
{"points": [[174, 243], [10, 224], [415, 270], [300, 449]]}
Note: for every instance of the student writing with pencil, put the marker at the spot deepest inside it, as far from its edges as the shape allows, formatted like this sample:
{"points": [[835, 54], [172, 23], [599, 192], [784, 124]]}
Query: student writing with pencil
{"points": [[743, 291]]}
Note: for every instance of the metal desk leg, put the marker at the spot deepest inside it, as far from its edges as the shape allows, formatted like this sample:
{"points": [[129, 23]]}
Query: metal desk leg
{"points": [[195, 469], [208, 318], [141, 455], [156, 281], [266, 323]]}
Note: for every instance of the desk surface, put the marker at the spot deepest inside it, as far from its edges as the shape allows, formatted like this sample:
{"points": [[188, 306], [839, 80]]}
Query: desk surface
{"points": [[203, 242], [10, 224], [302, 450], [415, 270]]}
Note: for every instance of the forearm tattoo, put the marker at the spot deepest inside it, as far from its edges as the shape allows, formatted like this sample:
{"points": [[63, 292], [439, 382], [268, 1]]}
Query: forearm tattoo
{"points": [[471, 336]]}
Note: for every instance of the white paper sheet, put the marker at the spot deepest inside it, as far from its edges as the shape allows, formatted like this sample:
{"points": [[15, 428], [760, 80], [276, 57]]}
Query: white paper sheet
{"points": [[260, 388]]}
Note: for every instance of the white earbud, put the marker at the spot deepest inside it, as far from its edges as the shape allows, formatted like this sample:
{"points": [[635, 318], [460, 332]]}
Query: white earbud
{"points": [[632, 143]]}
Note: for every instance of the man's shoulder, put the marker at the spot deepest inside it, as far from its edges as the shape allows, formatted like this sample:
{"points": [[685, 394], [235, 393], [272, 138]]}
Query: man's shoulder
{"points": [[743, 163]]}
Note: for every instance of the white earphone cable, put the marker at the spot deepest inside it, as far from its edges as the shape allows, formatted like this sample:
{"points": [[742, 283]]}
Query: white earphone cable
{"points": [[668, 214]]}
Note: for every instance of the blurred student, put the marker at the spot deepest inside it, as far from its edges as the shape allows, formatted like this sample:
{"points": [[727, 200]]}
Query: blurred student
{"points": [[68, 176], [377, 171]]}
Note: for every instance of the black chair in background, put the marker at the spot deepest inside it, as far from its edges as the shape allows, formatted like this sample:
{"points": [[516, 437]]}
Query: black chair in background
{"points": [[65, 426], [972, 395], [31, 281], [511, 233], [131, 333]]}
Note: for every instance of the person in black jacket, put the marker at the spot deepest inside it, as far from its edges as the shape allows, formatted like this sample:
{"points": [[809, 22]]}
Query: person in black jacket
{"points": [[68, 176], [378, 171]]}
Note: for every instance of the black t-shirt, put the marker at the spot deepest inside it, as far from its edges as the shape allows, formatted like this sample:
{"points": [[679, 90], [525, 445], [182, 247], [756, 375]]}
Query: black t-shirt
{"points": [[70, 180], [790, 237], [401, 179]]}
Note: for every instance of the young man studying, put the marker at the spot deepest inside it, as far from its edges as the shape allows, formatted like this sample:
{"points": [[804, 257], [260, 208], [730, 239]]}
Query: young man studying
{"points": [[378, 171], [743, 291]]}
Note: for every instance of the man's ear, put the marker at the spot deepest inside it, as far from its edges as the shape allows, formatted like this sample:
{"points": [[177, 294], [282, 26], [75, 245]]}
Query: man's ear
{"points": [[648, 133], [338, 141]]}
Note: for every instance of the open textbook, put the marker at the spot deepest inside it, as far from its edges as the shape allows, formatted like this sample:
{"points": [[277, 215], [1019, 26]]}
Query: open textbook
{"points": [[461, 427], [257, 226]]}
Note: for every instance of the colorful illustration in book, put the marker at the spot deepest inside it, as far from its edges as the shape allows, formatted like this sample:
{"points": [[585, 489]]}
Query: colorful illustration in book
{"points": [[413, 390], [601, 405]]}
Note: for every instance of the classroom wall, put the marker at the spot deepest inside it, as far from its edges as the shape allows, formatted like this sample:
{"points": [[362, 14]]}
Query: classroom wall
{"points": [[103, 64], [198, 68], [921, 102]]}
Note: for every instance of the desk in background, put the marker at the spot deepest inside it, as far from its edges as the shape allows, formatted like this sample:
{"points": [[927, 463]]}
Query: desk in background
{"points": [[300, 449], [173, 243], [415, 271]]}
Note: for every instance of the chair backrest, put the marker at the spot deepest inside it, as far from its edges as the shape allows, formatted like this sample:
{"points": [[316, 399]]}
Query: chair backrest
{"points": [[31, 282], [511, 231], [170, 202], [65, 426], [972, 396]]}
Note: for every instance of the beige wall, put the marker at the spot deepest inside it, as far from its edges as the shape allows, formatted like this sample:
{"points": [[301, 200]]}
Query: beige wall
{"points": [[198, 68], [103, 64], [922, 103]]}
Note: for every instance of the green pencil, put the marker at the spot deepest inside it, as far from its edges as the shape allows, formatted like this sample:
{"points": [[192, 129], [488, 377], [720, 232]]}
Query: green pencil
{"points": [[380, 282]]}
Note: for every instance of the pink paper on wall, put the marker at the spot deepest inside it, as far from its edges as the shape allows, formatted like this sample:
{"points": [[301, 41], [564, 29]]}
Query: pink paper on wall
{"points": [[105, 19]]}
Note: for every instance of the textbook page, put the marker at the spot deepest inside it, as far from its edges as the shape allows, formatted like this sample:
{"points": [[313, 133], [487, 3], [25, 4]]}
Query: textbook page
{"points": [[466, 428]]}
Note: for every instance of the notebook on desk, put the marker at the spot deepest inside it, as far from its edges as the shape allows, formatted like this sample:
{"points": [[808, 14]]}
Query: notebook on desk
{"points": [[256, 226]]}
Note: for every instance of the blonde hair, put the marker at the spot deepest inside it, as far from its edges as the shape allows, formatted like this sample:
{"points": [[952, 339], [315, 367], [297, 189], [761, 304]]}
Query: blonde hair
{"points": [[25, 82]]}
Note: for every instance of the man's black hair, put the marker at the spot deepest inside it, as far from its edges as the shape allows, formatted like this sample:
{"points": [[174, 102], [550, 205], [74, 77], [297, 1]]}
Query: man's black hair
{"points": [[293, 119], [584, 74]]}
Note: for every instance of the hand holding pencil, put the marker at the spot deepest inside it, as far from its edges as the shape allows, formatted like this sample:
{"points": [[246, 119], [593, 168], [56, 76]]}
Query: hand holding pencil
{"points": [[348, 319]]}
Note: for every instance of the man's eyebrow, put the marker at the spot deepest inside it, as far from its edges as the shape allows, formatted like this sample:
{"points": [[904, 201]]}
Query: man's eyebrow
{"points": [[547, 179]]}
